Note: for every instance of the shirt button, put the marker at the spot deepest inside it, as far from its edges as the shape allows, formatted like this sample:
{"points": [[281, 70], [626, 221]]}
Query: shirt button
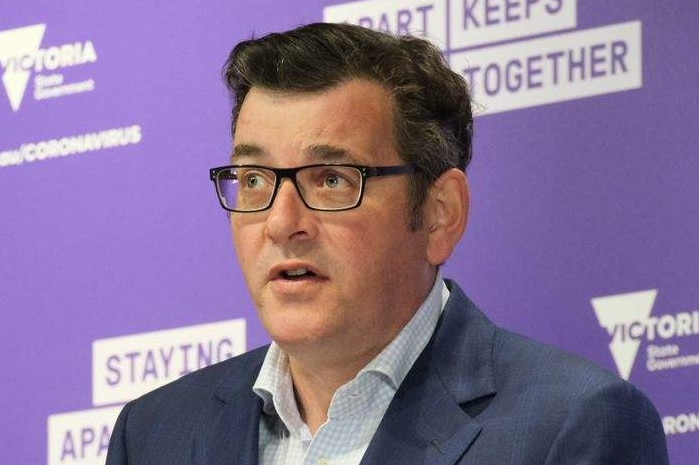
{"points": [[324, 461]]}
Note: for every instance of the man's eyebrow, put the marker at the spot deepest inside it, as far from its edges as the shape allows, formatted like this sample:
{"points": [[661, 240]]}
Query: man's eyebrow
{"points": [[247, 150], [330, 153]]}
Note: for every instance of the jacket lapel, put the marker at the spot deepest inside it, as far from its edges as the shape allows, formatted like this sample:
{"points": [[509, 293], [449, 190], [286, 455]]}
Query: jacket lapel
{"points": [[431, 418], [229, 431]]}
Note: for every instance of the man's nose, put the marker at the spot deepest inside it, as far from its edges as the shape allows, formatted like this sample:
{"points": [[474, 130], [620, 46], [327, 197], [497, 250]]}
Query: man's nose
{"points": [[288, 217]]}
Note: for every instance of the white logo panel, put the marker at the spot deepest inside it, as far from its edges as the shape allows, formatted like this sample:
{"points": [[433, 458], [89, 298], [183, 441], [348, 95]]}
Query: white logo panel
{"points": [[80, 438], [479, 22], [17, 49], [554, 69], [414, 17], [624, 317], [21, 55], [681, 424], [126, 367], [527, 73]]}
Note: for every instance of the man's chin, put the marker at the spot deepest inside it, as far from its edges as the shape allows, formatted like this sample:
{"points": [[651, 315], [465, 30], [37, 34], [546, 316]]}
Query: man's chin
{"points": [[297, 338]]}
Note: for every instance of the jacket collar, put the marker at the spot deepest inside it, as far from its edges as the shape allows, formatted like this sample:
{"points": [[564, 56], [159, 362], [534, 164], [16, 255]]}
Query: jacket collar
{"points": [[230, 430], [431, 419]]}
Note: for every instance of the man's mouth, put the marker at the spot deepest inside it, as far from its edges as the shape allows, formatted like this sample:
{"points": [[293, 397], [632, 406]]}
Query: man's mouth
{"points": [[296, 280], [297, 274]]}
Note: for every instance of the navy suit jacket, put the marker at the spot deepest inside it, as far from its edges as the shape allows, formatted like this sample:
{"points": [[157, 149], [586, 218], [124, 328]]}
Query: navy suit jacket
{"points": [[477, 395]]}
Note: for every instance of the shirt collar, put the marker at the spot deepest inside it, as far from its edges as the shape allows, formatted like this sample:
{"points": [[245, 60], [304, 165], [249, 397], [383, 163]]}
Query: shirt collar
{"points": [[274, 385], [396, 359]]}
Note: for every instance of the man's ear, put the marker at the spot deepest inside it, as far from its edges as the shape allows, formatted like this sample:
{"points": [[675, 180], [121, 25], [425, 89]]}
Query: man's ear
{"points": [[446, 214]]}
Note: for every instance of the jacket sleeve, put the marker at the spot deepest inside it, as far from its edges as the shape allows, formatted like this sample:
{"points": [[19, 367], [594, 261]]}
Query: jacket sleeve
{"points": [[613, 424]]}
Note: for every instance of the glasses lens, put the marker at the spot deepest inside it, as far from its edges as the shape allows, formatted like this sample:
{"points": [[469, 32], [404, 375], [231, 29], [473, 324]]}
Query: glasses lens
{"points": [[330, 187], [245, 188]]}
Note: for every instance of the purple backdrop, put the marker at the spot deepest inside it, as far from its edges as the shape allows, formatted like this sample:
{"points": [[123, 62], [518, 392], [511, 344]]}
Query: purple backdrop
{"points": [[109, 226]]}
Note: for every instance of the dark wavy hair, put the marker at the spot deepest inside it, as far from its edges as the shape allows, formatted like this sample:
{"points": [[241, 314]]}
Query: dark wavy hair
{"points": [[433, 118]]}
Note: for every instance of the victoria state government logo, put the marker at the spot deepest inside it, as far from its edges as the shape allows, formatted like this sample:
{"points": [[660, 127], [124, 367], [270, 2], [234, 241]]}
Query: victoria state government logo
{"points": [[627, 318], [22, 55]]}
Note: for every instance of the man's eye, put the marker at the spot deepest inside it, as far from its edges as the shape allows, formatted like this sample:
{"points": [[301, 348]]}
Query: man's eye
{"points": [[333, 180], [253, 180]]}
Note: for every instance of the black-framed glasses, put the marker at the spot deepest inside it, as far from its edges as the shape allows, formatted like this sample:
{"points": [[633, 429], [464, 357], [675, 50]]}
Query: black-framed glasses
{"points": [[323, 187]]}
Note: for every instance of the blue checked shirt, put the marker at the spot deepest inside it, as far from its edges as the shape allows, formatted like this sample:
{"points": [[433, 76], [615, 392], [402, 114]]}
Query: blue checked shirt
{"points": [[357, 407]]}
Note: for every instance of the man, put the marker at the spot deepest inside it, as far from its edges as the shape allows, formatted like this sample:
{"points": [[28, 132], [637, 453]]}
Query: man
{"points": [[346, 193]]}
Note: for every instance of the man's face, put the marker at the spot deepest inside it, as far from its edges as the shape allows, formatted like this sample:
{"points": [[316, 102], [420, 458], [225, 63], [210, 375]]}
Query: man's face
{"points": [[368, 271]]}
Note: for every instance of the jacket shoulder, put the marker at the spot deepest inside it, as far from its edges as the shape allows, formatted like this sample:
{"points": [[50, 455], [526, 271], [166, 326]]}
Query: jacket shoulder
{"points": [[544, 404], [232, 375], [525, 357]]}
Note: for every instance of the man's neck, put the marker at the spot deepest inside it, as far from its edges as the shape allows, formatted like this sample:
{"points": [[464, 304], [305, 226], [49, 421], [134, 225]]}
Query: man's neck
{"points": [[319, 369], [315, 384]]}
